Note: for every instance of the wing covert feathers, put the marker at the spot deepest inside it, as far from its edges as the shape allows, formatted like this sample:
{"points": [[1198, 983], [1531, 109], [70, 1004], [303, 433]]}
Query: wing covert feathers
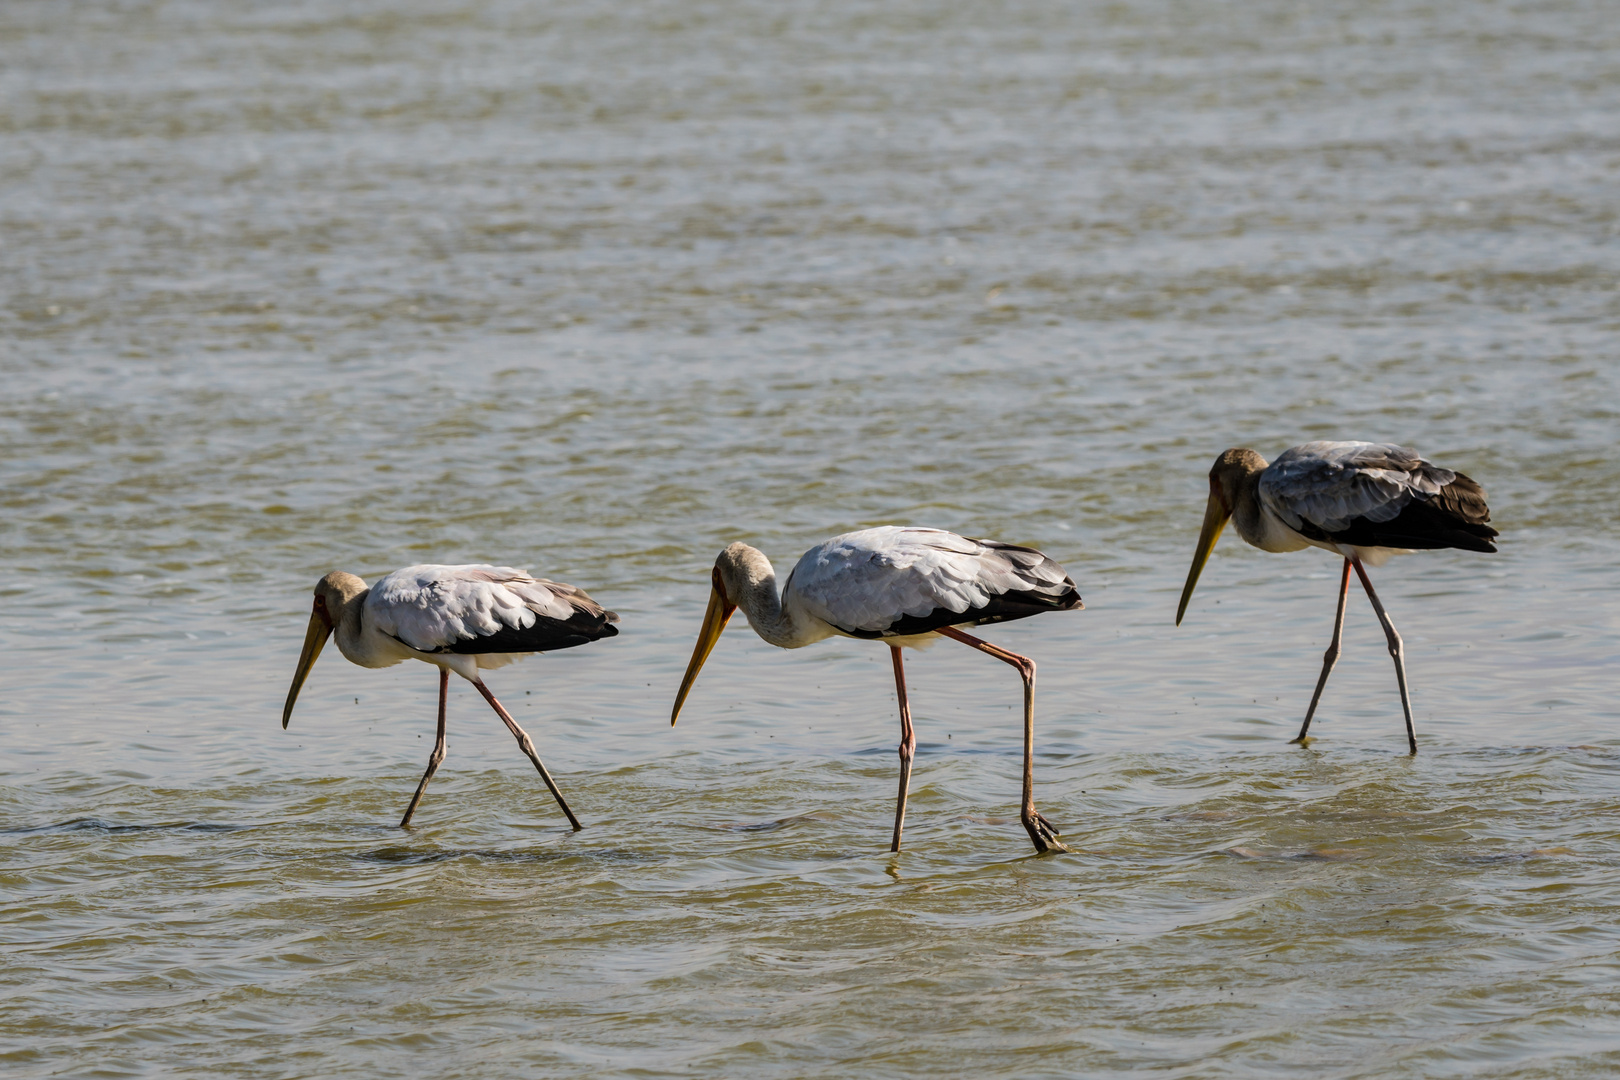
{"points": [[895, 581], [484, 609], [1375, 495]]}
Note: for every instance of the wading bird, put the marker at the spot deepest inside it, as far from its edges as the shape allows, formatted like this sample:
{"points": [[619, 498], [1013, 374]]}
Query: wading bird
{"points": [[1362, 501], [904, 587], [457, 618]]}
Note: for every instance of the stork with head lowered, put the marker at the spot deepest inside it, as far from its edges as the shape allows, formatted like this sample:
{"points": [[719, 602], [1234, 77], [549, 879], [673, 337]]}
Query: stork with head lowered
{"points": [[905, 587], [1362, 501], [463, 619]]}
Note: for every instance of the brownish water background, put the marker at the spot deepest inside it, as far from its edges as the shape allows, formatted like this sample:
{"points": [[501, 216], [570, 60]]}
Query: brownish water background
{"points": [[598, 289]]}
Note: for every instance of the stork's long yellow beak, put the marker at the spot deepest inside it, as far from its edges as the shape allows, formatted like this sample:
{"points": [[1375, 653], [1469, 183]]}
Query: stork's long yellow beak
{"points": [[1215, 519], [320, 628], [714, 621]]}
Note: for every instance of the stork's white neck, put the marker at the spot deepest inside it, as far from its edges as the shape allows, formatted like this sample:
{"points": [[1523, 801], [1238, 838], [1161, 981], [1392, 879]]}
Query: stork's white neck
{"points": [[351, 642], [345, 598], [750, 583]]}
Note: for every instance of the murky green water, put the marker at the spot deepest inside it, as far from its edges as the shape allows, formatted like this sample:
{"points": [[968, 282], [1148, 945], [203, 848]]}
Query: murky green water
{"points": [[597, 289]]}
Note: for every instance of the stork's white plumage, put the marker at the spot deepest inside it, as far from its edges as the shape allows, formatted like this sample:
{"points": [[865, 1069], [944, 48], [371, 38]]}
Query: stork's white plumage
{"points": [[889, 581], [1362, 501], [457, 618], [906, 587]]}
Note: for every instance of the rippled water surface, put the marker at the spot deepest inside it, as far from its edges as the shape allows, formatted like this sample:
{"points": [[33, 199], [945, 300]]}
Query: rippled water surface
{"points": [[595, 290]]}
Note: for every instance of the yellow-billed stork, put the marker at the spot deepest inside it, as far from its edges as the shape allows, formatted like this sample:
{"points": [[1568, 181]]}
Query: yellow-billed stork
{"points": [[457, 618], [1363, 502], [906, 587]]}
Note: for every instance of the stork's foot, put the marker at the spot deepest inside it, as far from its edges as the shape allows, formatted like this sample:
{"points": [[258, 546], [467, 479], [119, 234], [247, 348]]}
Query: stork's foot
{"points": [[1301, 740], [1041, 832]]}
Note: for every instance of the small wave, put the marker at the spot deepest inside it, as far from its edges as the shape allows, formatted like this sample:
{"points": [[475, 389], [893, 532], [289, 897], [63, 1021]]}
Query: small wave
{"points": [[402, 856], [103, 826], [1313, 855]]}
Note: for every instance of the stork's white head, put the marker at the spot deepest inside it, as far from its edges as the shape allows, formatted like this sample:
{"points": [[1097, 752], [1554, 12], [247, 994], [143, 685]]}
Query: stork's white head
{"points": [[337, 598], [740, 572]]}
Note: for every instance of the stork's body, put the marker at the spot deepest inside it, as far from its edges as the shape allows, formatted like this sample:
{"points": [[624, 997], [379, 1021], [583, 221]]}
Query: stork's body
{"points": [[458, 618], [1362, 501], [906, 587]]}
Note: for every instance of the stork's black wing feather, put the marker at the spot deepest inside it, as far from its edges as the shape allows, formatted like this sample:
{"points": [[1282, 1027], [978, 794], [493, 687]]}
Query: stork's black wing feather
{"points": [[436, 608], [545, 635], [903, 580], [1454, 518], [1004, 608]]}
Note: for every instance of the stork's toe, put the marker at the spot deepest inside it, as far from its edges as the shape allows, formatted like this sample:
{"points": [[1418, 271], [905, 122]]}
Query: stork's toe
{"points": [[1042, 833]]}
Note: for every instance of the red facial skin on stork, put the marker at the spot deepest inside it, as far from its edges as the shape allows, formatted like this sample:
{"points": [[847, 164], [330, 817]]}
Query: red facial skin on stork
{"points": [[321, 613], [728, 607]]}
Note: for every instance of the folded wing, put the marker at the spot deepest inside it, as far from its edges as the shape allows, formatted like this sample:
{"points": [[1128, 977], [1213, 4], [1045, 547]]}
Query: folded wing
{"points": [[484, 609], [1375, 495], [897, 581]]}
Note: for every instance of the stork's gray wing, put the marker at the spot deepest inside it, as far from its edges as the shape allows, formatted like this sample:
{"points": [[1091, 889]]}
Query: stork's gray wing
{"points": [[482, 609], [1375, 495], [895, 581]]}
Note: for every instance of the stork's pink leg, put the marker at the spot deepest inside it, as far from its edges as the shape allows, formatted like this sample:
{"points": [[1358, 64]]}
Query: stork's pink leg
{"points": [[438, 750], [1041, 832], [908, 745], [1330, 657], [1397, 651], [527, 744]]}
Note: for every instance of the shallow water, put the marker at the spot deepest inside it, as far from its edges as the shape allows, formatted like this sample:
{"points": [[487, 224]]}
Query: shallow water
{"points": [[595, 291]]}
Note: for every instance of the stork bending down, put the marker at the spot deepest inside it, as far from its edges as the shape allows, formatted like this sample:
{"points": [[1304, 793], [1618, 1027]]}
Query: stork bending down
{"points": [[1361, 501], [457, 618], [904, 587]]}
